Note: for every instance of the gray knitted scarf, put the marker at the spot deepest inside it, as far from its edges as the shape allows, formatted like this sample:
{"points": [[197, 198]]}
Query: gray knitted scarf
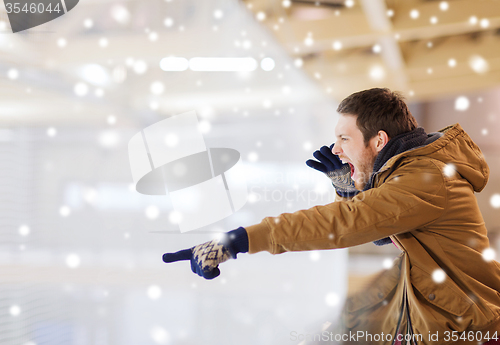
{"points": [[398, 144]]}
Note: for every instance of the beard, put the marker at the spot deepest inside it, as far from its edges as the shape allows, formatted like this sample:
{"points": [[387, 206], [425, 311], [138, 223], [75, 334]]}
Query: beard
{"points": [[365, 170]]}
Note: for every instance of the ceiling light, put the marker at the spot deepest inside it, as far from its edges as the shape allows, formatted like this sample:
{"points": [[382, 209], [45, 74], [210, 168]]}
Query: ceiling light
{"points": [[223, 64], [174, 64]]}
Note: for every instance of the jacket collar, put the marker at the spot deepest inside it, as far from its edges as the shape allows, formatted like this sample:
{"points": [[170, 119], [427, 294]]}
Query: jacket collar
{"points": [[397, 145]]}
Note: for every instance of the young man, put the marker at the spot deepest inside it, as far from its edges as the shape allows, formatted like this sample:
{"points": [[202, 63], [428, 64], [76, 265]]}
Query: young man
{"points": [[396, 184]]}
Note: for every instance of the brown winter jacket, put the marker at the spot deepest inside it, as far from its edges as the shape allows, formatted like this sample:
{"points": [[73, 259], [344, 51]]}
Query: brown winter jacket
{"points": [[424, 200]]}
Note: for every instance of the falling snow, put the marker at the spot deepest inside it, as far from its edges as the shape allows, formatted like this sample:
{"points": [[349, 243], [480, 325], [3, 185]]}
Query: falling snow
{"points": [[88, 23], [332, 299], [73, 260], [377, 73], [168, 22], [204, 126], [438, 275], [154, 292], [495, 200], [152, 212], [484, 23], [337, 45], [51, 132], [349, 3], [13, 74], [449, 170], [15, 310], [24, 230], [175, 217], [140, 72], [157, 88], [309, 41], [478, 64], [218, 14], [414, 14], [314, 255], [387, 263], [120, 14], [109, 138], [81, 89], [61, 42], [489, 254], [462, 103], [159, 335], [153, 36], [111, 119], [253, 157], [64, 211]]}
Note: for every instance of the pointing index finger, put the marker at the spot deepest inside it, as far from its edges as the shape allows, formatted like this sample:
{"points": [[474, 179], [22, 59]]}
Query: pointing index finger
{"points": [[177, 256]]}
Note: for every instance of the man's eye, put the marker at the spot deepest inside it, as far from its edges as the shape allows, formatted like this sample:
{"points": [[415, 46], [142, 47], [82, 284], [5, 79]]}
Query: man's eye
{"points": [[344, 139]]}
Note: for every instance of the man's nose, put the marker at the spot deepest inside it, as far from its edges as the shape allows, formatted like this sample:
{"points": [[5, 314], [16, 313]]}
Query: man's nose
{"points": [[336, 149]]}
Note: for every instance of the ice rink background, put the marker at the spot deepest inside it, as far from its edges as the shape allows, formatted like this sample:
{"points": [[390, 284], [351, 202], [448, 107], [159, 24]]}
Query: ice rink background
{"points": [[80, 249]]}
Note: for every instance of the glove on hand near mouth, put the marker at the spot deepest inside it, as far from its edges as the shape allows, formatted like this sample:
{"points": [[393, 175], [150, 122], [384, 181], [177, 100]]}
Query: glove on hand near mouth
{"points": [[332, 166]]}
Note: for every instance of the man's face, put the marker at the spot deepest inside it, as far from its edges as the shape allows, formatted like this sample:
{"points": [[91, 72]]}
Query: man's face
{"points": [[350, 147]]}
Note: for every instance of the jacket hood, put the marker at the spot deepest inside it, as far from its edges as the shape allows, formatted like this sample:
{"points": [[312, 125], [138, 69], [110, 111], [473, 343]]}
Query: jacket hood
{"points": [[453, 146]]}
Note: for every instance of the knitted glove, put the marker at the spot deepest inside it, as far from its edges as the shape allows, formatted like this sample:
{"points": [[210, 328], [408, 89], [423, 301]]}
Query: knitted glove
{"points": [[332, 166], [205, 258]]}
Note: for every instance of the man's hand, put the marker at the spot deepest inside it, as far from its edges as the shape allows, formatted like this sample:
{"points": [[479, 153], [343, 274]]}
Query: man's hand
{"points": [[205, 258], [332, 166]]}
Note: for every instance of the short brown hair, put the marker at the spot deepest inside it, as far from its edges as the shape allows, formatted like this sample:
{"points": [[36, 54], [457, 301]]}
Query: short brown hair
{"points": [[378, 109]]}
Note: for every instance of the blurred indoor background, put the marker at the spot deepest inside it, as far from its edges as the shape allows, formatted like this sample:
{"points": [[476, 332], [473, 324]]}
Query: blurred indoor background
{"points": [[80, 249]]}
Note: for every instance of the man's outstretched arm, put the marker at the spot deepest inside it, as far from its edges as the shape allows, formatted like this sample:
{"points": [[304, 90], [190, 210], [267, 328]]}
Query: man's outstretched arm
{"points": [[401, 204], [205, 258]]}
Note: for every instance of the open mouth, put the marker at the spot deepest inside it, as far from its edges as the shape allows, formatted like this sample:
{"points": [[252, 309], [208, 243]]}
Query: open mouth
{"points": [[352, 168]]}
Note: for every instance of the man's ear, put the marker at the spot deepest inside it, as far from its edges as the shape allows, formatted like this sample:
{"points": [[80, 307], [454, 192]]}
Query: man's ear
{"points": [[381, 140]]}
